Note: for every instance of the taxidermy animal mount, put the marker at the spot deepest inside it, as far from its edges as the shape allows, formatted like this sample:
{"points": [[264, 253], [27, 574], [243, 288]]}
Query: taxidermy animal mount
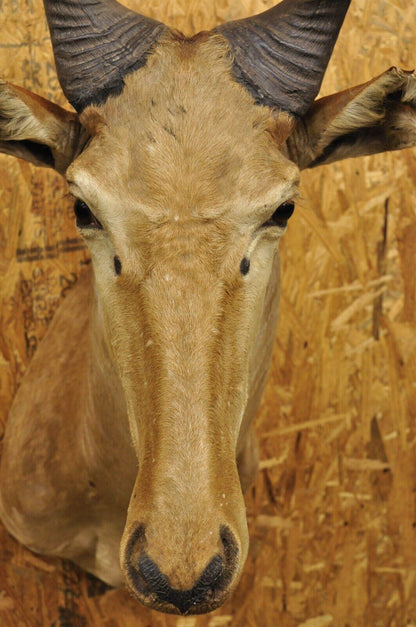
{"points": [[130, 441]]}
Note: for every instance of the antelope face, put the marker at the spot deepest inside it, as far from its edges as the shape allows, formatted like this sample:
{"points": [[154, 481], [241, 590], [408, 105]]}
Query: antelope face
{"points": [[185, 182], [183, 224], [184, 186]]}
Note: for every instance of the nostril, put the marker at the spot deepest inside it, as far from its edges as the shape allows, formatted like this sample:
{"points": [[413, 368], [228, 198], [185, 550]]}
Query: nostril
{"points": [[154, 588], [230, 545], [212, 572], [184, 600], [135, 545], [156, 582]]}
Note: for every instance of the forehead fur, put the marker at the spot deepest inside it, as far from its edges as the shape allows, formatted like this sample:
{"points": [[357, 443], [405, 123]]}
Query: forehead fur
{"points": [[184, 138]]}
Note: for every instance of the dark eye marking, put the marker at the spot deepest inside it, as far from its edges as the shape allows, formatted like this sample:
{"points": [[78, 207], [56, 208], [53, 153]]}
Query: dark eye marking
{"points": [[85, 217], [117, 265], [281, 215], [245, 266], [279, 218]]}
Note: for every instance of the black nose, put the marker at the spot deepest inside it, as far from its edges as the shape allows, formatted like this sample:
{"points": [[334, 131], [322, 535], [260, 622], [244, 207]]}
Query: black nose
{"points": [[184, 600], [153, 588]]}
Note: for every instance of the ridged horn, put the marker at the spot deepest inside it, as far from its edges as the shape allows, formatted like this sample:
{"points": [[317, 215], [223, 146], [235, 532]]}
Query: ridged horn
{"points": [[96, 43], [281, 55]]}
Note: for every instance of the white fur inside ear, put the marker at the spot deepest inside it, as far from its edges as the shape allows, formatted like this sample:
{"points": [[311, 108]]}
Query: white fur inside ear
{"points": [[409, 95], [369, 107], [35, 129], [403, 128], [19, 122], [381, 116], [403, 119], [16, 119]]}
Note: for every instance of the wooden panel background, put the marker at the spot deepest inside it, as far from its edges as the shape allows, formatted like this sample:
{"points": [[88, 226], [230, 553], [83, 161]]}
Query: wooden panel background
{"points": [[332, 516]]}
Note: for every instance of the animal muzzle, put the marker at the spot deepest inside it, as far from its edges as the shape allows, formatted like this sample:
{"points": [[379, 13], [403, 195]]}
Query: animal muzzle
{"points": [[149, 583], [186, 538]]}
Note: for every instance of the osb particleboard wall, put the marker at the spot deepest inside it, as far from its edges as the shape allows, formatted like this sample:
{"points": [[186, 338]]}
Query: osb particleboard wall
{"points": [[332, 516]]}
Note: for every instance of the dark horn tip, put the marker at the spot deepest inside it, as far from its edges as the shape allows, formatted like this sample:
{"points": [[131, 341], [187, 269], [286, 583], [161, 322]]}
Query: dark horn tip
{"points": [[281, 55], [96, 44]]}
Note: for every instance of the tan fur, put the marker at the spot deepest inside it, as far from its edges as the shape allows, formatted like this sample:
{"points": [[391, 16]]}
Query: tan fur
{"points": [[26, 116], [376, 116], [179, 344], [181, 212], [141, 399]]}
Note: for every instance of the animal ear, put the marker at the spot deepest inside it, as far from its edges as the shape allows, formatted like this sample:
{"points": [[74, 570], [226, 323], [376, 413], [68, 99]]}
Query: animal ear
{"points": [[37, 130], [374, 117]]}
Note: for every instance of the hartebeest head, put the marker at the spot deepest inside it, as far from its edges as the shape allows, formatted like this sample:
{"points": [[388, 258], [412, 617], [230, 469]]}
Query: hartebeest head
{"points": [[184, 155]]}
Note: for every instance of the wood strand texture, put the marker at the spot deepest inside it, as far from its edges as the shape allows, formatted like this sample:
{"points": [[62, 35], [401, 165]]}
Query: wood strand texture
{"points": [[332, 516]]}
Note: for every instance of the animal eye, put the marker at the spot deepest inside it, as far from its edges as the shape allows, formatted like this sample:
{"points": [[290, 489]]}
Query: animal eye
{"points": [[85, 217], [281, 215]]}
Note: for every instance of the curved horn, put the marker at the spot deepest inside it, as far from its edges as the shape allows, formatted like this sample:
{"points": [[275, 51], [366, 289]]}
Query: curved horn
{"points": [[281, 55], [96, 43]]}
